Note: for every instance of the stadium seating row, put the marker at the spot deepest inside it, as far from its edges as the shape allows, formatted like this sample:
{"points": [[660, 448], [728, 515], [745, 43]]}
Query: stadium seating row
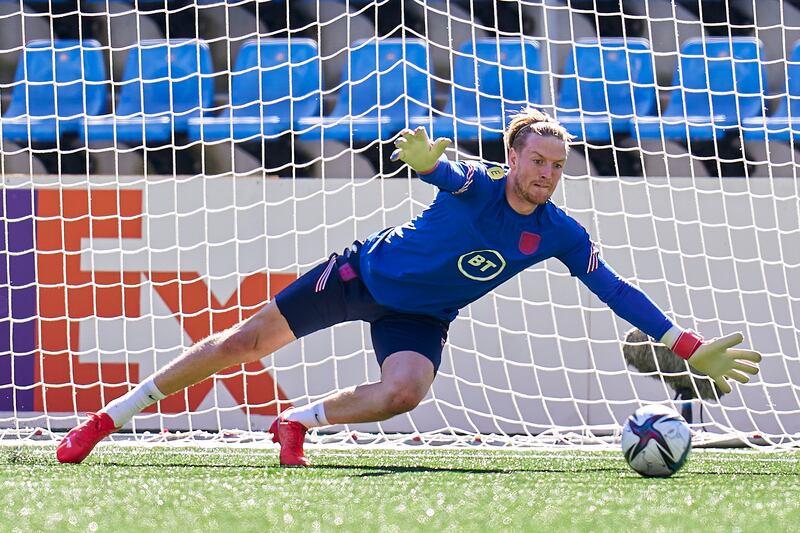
{"points": [[445, 24], [607, 87]]}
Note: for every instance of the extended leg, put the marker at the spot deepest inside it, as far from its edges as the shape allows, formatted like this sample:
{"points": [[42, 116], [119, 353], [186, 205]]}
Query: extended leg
{"points": [[251, 339]]}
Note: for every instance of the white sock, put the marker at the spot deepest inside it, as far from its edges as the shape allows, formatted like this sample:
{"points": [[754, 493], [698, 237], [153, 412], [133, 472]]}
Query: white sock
{"points": [[140, 397], [311, 415]]}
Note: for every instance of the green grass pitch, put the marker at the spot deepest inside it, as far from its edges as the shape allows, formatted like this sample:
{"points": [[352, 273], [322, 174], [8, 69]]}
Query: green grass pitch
{"points": [[124, 488]]}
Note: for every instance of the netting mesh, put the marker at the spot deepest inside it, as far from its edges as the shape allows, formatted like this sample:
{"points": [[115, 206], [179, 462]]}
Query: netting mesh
{"points": [[168, 167]]}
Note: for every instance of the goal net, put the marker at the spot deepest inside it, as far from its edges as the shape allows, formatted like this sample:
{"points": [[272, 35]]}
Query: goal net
{"points": [[168, 167]]}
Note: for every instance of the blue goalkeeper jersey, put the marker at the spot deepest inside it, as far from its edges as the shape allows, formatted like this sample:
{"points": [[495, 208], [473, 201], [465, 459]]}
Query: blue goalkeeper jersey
{"points": [[470, 240]]}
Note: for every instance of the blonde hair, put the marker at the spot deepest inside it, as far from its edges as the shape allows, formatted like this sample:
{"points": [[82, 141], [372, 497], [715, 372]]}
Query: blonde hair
{"points": [[530, 120]]}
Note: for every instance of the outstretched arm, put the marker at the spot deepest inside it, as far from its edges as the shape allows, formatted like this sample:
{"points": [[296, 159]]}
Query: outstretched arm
{"points": [[716, 358]]}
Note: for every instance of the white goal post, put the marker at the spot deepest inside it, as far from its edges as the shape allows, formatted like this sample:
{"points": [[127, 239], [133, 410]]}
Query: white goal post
{"points": [[166, 170]]}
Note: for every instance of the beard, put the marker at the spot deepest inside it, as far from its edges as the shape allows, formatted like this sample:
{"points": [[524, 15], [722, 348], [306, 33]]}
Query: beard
{"points": [[530, 196]]}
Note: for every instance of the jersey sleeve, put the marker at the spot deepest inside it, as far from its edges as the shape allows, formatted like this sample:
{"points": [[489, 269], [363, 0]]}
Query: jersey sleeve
{"points": [[581, 255], [626, 300], [464, 179]]}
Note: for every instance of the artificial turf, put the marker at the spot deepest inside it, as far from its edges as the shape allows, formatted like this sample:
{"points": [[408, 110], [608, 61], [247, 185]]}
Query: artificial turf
{"points": [[129, 488]]}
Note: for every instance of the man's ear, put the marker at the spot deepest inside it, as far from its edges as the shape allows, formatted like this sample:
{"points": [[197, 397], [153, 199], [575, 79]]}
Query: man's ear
{"points": [[512, 157]]}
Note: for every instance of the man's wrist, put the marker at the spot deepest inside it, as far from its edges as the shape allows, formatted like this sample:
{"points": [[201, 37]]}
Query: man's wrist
{"points": [[683, 343]]}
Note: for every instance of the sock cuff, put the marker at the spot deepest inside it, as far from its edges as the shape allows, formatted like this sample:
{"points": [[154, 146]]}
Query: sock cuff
{"points": [[126, 406], [149, 386], [311, 415], [319, 413]]}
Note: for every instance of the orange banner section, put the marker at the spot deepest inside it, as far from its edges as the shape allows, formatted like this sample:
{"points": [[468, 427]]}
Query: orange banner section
{"points": [[69, 295]]}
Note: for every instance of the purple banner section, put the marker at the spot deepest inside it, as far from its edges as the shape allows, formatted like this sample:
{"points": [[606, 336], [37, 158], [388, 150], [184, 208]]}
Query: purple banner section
{"points": [[17, 299]]}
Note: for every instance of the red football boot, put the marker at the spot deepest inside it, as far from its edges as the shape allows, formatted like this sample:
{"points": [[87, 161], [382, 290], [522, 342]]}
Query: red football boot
{"points": [[81, 440], [290, 435]]}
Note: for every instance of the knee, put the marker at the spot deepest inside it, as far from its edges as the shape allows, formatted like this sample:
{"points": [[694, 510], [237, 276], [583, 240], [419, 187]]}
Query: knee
{"points": [[402, 399], [237, 345]]}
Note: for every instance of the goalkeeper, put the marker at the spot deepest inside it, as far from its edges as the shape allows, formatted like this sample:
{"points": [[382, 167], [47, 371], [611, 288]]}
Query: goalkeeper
{"points": [[486, 224]]}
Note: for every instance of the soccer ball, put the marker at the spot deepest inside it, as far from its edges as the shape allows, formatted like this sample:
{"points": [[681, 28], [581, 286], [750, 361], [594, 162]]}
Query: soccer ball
{"points": [[656, 441]]}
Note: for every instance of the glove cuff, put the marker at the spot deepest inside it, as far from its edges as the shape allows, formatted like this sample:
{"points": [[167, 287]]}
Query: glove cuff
{"points": [[686, 344], [430, 170]]}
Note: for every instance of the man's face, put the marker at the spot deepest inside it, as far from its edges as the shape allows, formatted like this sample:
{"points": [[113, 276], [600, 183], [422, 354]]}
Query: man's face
{"points": [[534, 171]]}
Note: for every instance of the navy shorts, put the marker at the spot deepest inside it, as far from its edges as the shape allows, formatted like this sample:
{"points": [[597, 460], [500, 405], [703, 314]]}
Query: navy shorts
{"points": [[332, 293]]}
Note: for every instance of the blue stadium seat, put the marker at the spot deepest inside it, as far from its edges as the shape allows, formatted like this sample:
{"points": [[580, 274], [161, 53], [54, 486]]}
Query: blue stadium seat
{"points": [[274, 83], [784, 124], [388, 81], [492, 79], [606, 84], [56, 85], [165, 83], [719, 82]]}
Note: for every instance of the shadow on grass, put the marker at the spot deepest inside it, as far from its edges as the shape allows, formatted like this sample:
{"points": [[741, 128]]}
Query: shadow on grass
{"points": [[357, 470], [366, 471], [623, 471], [375, 471]]}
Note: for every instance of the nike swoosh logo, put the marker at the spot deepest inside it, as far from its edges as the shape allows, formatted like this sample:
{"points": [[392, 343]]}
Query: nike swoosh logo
{"points": [[151, 397]]}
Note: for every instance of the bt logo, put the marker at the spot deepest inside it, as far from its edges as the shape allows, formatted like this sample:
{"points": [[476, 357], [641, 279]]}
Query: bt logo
{"points": [[481, 265]]}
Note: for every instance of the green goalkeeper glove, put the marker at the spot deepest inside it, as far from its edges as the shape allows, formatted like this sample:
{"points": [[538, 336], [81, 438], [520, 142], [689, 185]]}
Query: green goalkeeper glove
{"points": [[416, 150], [717, 358]]}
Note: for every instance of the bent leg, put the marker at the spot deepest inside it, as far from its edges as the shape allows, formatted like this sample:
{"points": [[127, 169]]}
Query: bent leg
{"points": [[409, 350], [406, 378]]}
